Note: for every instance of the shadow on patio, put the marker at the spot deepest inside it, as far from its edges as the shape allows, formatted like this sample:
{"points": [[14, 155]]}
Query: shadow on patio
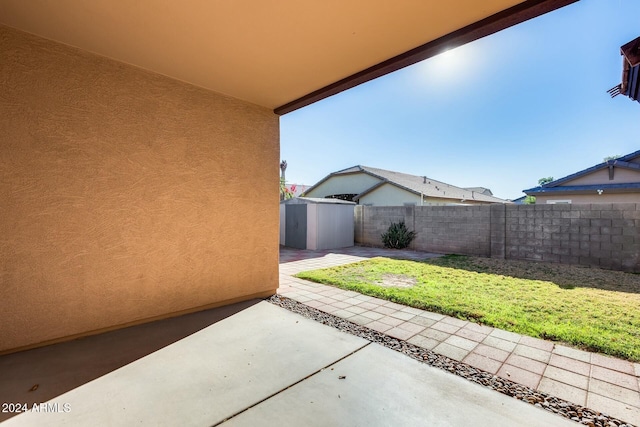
{"points": [[41, 374], [255, 364]]}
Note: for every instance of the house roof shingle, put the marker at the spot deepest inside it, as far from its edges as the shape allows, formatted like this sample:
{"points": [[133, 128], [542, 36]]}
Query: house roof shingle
{"points": [[415, 184], [621, 162]]}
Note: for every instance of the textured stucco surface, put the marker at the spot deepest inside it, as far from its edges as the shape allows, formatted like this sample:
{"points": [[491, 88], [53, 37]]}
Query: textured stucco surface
{"points": [[601, 176], [269, 52], [605, 197], [356, 182], [390, 195], [125, 195]]}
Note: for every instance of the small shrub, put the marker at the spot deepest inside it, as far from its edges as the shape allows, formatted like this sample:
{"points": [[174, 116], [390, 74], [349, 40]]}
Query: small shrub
{"points": [[397, 236]]}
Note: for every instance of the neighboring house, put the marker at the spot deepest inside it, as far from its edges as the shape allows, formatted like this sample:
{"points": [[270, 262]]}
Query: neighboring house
{"points": [[612, 181], [481, 190], [379, 187], [630, 85], [519, 200]]}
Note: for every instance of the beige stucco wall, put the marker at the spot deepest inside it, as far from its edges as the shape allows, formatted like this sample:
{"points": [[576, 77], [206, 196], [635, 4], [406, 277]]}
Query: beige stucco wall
{"points": [[590, 198], [125, 195], [390, 195], [620, 175], [343, 184]]}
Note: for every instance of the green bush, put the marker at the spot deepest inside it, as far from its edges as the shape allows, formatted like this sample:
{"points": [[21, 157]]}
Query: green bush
{"points": [[397, 236]]}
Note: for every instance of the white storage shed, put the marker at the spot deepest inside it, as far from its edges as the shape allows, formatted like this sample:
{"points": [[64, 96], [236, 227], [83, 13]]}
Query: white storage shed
{"points": [[316, 224]]}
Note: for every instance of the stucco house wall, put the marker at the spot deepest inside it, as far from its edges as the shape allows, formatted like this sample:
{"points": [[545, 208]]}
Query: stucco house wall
{"points": [[588, 198], [125, 195], [620, 176], [356, 182], [389, 195], [593, 185]]}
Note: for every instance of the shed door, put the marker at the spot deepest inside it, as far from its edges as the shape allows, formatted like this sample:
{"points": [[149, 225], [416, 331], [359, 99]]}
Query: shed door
{"points": [[296, 226]]}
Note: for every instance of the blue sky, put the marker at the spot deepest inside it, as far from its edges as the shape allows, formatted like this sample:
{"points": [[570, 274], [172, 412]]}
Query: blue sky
{"points": [[501, 112]]}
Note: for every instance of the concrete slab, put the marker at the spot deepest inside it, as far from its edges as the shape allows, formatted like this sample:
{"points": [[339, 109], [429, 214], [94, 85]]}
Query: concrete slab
{"points": [[40, 374], [205, 377], [382, 387]]}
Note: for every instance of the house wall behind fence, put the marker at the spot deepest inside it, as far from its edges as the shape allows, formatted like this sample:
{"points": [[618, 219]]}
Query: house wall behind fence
{"points": [[125, 195], [604, 235]]}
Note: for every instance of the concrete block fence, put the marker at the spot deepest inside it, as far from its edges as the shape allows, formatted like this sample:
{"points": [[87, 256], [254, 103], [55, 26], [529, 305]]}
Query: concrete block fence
{"points": [[602, 235]]}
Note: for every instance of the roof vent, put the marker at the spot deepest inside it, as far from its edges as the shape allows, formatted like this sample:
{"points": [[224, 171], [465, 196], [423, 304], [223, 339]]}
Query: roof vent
{"points": [[424, 179]]}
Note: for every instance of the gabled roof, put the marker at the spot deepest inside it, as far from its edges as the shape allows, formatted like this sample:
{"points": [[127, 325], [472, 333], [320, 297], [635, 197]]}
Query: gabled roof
{"points": [[315, 200], [413, 184], [519, 200], [620, 162], [482, 190]]}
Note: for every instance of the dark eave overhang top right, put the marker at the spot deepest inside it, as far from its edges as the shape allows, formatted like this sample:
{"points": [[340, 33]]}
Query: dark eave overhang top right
{"points": [[507, 18]]}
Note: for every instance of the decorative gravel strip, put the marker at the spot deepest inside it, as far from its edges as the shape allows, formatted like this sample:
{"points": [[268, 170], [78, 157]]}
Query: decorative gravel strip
{"points": [[540, 399]]}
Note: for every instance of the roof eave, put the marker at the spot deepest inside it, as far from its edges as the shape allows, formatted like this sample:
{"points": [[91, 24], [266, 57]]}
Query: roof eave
{"points": [[370, 189], [631, 187], [332, 174], [624, 159], [517, 14]]}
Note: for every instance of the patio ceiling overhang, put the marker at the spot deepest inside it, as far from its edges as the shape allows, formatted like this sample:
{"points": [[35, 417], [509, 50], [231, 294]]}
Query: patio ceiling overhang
{"points": [[280, 54]]}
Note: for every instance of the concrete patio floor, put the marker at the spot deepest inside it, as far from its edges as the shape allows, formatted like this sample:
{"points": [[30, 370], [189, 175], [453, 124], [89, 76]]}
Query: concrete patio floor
{"points": [[605, 384], [248, 364], [254, 363]]}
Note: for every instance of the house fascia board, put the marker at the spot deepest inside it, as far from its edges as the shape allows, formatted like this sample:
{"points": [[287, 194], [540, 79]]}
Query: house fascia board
{"points": [[573, 176], [623, 161], [331, 175], [343, 172], [514, 15], [418, 193], [386, 181], [577, 189], [372, 188], [625, 165]]}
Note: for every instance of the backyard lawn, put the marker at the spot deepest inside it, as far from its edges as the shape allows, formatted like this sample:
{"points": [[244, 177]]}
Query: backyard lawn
{"points": [[597, 310]]}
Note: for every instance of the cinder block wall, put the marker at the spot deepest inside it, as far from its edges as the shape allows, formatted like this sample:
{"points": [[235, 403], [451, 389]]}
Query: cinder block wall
{"points": [[447, 229], [443, 229], [372, 222], [603, 235]]}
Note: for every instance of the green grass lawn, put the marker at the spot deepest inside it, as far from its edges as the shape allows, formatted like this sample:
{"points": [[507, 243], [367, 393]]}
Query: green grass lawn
{"points": [[593, 309]]}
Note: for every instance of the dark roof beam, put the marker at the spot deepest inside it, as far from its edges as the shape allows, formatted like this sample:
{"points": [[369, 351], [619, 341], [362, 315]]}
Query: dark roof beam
{"points": [[522, 12]]}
